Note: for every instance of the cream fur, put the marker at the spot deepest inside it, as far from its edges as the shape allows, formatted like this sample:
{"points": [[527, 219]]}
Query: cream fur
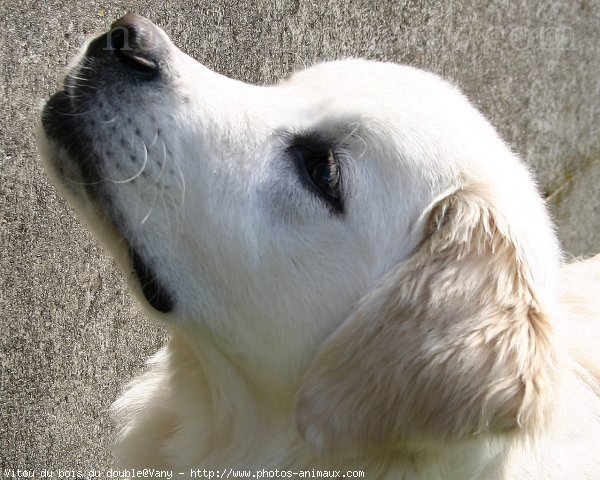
{"points": [[428, 332]]}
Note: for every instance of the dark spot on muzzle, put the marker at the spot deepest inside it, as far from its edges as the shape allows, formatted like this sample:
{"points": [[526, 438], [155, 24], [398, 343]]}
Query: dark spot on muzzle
{"points": [[154, 291]]}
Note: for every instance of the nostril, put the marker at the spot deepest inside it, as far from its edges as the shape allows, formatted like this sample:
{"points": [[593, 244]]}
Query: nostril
{"points": [[120, 37], [126, 42], [137, 61]]}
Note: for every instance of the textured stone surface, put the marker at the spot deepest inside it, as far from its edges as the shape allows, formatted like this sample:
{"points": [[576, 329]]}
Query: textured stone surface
{"points": [[70, 333]]}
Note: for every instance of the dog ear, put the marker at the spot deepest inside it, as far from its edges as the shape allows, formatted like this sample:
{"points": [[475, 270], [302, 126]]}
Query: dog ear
{"points": [[455, 342]]}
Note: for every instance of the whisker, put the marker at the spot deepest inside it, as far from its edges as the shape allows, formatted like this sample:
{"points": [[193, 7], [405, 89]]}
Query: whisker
{"points": [[182, 185], [84, 184], [151, 207], [164, 163], [362, 140], [155, 139], [356, 126], [130, 179]]}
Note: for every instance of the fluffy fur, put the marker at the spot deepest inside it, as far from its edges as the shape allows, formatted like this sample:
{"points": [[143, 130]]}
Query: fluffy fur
{"points": [[428, 331]]}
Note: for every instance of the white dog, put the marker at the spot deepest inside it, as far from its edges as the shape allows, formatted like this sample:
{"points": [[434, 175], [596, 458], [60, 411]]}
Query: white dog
{"points": [[357, 273]]}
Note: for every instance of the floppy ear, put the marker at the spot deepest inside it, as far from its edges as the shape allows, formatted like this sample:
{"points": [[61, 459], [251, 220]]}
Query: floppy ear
{"points": [[455, 342]]}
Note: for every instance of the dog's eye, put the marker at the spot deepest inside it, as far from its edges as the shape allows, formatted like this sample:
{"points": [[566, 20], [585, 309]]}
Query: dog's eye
{"points": [[321, 172], [325, 174]]}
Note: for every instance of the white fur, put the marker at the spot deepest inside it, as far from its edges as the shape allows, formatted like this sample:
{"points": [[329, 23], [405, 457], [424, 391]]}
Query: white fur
{"points": [[428, 332]]}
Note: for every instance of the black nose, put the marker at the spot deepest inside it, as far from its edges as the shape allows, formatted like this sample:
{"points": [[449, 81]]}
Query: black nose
{"points": [[134, 40]]}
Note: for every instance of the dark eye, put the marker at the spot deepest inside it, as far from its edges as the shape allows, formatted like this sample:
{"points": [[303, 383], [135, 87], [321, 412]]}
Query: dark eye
{"points": [[323, 172], [318, 167], [320, 172]]}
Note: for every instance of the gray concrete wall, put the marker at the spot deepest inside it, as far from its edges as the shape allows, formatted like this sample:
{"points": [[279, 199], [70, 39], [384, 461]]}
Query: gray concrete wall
{"points": [[70, 334]]}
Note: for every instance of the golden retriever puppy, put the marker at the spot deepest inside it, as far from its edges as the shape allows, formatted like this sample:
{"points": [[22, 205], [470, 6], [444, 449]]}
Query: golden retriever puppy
{"points": [[357, 273]]}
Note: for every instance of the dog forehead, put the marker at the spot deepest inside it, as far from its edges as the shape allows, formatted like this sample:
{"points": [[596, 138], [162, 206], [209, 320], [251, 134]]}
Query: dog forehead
{"points": [[383, 100], [373, 80], [397, 111]]}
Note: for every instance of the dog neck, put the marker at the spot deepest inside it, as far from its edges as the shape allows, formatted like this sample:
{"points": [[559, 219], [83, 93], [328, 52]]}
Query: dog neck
{"points": [[197, 396]]}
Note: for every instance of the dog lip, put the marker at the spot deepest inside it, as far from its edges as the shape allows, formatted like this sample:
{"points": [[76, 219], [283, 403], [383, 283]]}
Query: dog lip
{"points": [[59, 123], [66, 128], [56, 116], [154, 291]]}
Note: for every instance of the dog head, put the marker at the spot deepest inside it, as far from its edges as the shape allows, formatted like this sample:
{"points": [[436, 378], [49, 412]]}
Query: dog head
{"points": [[360, 226]]}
